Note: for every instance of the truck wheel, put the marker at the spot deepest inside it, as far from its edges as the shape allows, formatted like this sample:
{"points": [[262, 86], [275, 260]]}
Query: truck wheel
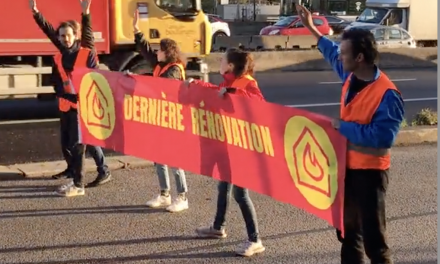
{"points": [[216, 35]]}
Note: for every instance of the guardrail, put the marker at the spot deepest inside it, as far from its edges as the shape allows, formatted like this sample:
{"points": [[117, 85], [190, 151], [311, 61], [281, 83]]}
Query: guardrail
{"points": [[266, 43], [23, 81]]}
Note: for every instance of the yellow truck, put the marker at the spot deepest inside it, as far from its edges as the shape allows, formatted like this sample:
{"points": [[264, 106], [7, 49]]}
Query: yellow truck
{"points": [[25, 52]]}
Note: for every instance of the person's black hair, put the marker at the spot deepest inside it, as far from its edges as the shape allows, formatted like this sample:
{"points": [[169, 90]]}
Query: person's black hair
{"points": [[362, 42], [69, 23], [243, 61]]}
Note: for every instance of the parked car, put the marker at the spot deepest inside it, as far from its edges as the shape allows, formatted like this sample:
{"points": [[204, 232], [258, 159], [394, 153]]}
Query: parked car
{"points": [[337, 24], [219, 26], [293, 26], [390, 36]]}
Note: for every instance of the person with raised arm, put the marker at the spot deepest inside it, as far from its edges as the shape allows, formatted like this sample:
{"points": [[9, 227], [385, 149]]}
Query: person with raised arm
{"points": [[82, 36], [371, 113], [168, 63]]}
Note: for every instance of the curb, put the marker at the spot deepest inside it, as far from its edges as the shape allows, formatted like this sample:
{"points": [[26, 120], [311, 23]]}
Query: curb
{"points": [[47, 169], [408, 136], [411, 136]]}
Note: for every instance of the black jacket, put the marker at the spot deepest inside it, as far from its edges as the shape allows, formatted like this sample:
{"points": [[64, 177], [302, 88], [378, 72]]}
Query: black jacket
{"points": [[149, 55], [69, 54]]}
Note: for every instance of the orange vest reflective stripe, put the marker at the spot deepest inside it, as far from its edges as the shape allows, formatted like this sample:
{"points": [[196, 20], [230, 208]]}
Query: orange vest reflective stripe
{"points": [[361, 110], [81, 61], [158, 71], [242, 82]]}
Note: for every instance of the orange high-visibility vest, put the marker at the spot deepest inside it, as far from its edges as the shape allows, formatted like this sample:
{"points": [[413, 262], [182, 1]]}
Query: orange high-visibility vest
{"points": [[242, 82], [81, 61], [361, 110], [158, 71]]}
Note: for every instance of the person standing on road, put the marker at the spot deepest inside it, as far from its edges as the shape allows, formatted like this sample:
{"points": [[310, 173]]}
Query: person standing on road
{"points": [[167, 63], [71, 55], [69, 44], [371, 113], [237, 68]]}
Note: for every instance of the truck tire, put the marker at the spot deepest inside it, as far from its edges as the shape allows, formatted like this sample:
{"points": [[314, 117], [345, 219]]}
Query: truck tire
{"points": [[218, 34]]}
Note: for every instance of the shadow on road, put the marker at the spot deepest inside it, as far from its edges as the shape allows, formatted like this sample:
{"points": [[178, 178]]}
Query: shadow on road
{"points": [[423, 262], [132, 209], [186, 253], [172, 254]]}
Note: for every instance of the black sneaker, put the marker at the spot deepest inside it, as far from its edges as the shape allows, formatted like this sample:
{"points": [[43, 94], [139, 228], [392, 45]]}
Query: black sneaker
{"points": [[100, 180], [63, 175]]}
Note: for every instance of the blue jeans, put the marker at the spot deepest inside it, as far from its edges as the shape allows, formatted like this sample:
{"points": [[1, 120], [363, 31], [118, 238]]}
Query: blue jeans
{"points": [[247, 208], [99, 158], [164, 178]]}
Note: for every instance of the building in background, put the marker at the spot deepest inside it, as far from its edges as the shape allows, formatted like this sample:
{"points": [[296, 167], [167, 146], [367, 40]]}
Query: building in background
{"points": [[271, 10], [340, 7]]}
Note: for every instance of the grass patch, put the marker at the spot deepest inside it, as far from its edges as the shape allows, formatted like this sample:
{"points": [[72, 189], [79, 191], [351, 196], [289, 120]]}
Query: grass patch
{"points": [[426, 117], [404, 123]]}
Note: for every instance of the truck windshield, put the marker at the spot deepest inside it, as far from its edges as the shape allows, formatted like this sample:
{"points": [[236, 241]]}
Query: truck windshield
{"points": [[177, 6], [372, 15]]}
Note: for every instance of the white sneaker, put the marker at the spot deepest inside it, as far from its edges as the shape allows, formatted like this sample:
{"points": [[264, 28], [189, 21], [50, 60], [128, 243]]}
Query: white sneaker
{"points": [[159, 201], [70, 191], [248, 248], [179, 204]]}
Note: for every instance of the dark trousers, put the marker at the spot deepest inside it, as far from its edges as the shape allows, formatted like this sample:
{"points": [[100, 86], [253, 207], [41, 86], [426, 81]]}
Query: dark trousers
{"points": [[73, 151], [364, 217], [247, 208], [69, 122]]}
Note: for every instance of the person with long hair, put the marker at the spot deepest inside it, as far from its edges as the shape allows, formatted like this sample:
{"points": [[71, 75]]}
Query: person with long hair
{"points": [[168, 63], [237, 69]]}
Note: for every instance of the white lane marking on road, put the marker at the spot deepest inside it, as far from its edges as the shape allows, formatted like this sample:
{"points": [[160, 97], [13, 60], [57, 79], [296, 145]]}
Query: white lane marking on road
{"points": [[16, 122], [335, 104], [393, 80]]}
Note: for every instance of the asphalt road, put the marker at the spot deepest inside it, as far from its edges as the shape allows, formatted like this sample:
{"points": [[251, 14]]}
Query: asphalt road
{"points": [[314, 91], [111, 224]]}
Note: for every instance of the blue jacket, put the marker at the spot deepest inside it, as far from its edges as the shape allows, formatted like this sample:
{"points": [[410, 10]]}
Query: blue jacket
{"points": [[383, 129]]}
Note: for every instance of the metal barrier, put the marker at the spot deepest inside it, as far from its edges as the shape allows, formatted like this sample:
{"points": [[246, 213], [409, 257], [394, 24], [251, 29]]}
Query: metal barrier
{"points": [[266, 43], [23, 81]]}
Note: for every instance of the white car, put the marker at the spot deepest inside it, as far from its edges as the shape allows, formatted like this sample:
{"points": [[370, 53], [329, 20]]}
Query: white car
{"points": [[389, 36], [219, 27]]}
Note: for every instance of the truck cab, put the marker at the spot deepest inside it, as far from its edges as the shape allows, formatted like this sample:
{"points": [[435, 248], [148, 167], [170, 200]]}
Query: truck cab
{"points": [[180, 20], [418, 17], [384, 12]]}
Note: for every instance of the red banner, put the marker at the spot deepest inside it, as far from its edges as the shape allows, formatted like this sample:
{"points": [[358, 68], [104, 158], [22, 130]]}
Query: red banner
{"points": [[290, 154]]}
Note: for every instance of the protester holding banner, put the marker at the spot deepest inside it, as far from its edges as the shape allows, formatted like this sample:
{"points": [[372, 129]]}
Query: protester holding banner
{"points": [[237, 68], [168, 63], [371, 113], [83, 38]]}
